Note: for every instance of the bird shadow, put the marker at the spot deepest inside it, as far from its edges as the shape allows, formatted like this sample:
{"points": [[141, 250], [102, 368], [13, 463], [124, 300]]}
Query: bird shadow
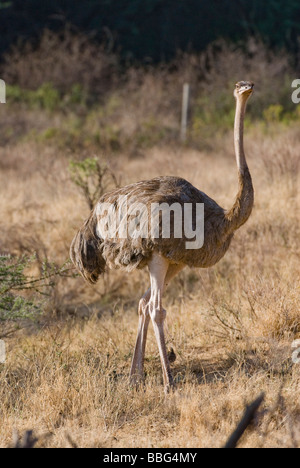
{"points": [[199, 370], [202, 370]]}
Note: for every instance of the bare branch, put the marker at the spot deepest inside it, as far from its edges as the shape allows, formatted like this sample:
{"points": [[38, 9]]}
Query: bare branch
{"points": [[246, 420]]}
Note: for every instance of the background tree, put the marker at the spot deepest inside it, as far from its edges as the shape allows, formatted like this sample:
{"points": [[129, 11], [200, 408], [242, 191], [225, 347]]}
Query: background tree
{"points": [[155, 29]]}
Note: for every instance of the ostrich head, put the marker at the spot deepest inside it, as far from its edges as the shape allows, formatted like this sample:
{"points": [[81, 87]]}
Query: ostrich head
{"points": [[85, 253], [243, 88]]}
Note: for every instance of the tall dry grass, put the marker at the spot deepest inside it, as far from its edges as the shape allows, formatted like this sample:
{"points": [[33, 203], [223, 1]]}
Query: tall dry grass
{"points": [[231, 326]]}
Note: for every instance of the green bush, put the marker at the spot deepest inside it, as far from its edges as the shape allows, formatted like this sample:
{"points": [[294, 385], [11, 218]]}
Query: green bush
{"points": [[45, 97], [93, 178], [273, 113], [20, 292], [214, 112], [12, 276], [150, 133], [76, 96]]}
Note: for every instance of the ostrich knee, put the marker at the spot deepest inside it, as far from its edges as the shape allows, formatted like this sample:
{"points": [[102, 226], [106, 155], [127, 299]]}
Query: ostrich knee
{"points": [[158, 314], [143, 307]]}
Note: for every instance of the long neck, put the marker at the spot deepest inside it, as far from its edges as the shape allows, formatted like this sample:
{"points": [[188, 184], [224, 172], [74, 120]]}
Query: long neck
{"points": [[242, 207]]}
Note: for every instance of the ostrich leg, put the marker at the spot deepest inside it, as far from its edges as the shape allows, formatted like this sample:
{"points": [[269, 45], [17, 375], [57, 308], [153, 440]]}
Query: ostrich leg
{"points": [[137, 365], [158, 267]]}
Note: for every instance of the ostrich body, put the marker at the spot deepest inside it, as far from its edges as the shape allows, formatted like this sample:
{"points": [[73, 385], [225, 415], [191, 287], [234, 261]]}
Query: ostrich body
{"points": [[91, 252]]}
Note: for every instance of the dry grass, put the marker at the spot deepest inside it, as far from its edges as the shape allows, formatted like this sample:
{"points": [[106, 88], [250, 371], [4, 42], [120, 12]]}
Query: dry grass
{"points": [[231, 326]]}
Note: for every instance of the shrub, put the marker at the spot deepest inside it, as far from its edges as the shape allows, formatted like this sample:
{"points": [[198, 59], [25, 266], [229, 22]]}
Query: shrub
{"points": [[92, 177], [14, 306], [273, 113], [13, 278], [64, 60]]}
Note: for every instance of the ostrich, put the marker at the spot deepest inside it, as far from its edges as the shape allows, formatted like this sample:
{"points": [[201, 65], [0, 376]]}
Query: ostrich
{"points": [[91, 251]]}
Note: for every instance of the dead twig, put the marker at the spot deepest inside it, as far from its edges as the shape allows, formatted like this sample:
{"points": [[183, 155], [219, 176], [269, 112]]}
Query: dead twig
{"points": [[246, 420]]}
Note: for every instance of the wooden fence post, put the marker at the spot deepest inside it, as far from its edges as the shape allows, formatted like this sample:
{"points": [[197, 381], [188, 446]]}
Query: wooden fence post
{"points": [[184, 112]]}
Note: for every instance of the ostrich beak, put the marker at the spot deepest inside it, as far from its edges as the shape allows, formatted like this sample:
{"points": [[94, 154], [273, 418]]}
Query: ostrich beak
{"points": [[246, 89]]}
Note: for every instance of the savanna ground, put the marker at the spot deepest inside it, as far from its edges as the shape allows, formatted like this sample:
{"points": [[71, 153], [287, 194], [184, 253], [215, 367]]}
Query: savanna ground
{"points": [[231, 327]]}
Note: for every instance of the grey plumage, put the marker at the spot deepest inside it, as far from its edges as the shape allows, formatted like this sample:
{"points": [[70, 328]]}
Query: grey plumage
{"points": [[90, 253]]}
